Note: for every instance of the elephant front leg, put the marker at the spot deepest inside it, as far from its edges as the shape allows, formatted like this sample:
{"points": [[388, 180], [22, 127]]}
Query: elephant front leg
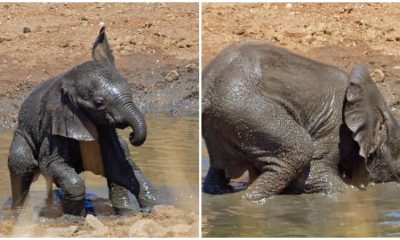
{"points": [[121, 170], [324, 178], [121, 201], [324, 175], [72, 187], [123, 180], [277, 175], [146, 196]]}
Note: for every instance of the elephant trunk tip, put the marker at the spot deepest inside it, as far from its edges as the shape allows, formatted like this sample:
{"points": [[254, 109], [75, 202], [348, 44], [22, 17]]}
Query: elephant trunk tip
{"points": [[135, 140]]}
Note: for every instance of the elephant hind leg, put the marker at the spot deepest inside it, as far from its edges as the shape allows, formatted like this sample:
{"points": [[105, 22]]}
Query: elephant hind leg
{"points": [[275, 144], [220, 153], [23, 168]]}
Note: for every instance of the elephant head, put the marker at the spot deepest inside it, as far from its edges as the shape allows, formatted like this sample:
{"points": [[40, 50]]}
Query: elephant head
{"points": [[95, 95], [373, 127]]}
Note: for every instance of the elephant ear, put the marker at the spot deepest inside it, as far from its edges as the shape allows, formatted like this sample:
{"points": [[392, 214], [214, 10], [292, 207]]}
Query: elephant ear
{"points": [[101, 51], [63, 118], [365, 111]]}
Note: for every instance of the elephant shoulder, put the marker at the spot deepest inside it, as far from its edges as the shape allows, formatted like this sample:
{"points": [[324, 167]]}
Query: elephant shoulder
{"points": [[32, 107]]}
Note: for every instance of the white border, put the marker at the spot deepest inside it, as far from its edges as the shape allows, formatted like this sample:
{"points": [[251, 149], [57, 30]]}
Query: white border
{"points": [[200, 136]]}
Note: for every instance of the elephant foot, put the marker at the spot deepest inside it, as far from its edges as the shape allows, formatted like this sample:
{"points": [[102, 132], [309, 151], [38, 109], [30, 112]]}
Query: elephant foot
{"points": [[130, 211], [73, 206], [217, 189], [125, 211], [146, 209]]}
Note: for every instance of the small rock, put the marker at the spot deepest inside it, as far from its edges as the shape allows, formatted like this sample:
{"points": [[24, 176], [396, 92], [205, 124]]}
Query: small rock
{"points": [[95, 223], [396, 67], [26, 30], [172, 76], [289, 5], [239, 31], [147, 228], [190, 67], [377, 76], [64, 44], [84, 18]]}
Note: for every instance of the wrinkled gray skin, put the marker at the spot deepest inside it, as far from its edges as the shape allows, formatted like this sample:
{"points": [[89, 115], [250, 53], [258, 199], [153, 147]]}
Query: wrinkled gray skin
{"points": [[85, 103], [295, 124]]}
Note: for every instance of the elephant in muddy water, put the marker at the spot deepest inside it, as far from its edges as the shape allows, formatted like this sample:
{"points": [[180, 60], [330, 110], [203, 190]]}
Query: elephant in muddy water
{"points": [[68, 125], [296, 125]]}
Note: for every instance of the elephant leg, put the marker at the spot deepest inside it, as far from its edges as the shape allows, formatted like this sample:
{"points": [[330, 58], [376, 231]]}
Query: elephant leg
{"points": [[120, 199], [71, 184], [274, 143], [23, 168], [216, 181], [324, 178], [146, 194], [324, 173], [121, 170]]}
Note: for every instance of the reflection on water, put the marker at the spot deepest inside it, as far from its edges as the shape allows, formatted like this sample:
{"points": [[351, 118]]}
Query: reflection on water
{"points": [[375, 212], [169, 159]]}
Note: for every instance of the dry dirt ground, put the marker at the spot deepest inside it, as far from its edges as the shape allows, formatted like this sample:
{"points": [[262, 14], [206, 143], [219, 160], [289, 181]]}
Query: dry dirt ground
{"points": [[40, 40], [340, 34]]}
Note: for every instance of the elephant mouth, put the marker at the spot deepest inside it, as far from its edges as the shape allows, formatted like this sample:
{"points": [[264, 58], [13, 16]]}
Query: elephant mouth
{"points": [[120, 125], [115, 123]]}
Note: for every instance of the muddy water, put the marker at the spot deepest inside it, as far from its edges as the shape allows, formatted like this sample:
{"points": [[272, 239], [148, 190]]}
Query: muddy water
{"points": [[371, 213], [169, 159]]}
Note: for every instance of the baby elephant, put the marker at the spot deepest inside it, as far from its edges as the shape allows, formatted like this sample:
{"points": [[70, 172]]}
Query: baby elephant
{"points": [[68, 125], [296, 125]]}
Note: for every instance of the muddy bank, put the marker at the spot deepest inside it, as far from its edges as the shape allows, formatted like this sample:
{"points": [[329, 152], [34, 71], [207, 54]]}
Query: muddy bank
{"points": [[340, 34], [159, 85], [155, 46]]}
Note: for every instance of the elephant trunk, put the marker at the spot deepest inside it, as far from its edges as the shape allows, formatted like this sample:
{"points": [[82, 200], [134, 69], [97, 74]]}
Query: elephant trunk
{"points": [[135, 119]]}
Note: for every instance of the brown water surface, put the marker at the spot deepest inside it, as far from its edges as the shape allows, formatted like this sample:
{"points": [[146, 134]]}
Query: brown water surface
{"points": [[371, 213]]}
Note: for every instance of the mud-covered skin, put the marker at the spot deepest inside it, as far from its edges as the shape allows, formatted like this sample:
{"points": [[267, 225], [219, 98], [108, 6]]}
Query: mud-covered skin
{"points": [[295, 124], [85, 103]]}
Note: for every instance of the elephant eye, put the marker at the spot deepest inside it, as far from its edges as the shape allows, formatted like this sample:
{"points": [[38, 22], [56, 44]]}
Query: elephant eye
{"points": [[98, 102]]}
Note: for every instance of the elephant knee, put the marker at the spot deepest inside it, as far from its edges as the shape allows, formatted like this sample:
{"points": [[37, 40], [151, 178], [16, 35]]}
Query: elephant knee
{"points": [[20, 162], [73, 188]]}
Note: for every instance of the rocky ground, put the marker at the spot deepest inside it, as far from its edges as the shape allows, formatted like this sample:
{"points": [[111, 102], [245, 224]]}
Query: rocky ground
{"points": [[340, 34], [164, 221], [155, 46]]}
